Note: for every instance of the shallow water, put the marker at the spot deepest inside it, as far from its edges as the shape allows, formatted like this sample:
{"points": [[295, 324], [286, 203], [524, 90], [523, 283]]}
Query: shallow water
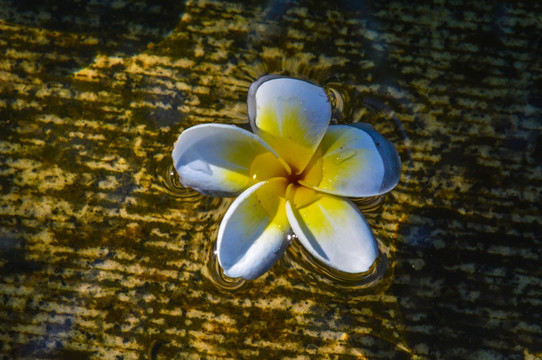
{"points": [[104, 255]]}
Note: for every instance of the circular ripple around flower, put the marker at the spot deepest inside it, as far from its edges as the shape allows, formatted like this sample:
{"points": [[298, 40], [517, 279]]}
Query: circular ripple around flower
{"points": [[168, 181], [216, 275], [323, 275], [370, 206]]}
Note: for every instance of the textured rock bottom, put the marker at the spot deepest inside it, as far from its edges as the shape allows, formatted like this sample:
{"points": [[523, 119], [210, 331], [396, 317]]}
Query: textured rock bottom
{"points": [[102, 257]]}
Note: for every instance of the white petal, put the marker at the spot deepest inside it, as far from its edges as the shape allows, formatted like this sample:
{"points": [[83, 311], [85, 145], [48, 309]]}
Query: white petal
{"points": [[252, 235], [389, 155], [291, 115], [216, 159], [353, 161], [333, 230]]}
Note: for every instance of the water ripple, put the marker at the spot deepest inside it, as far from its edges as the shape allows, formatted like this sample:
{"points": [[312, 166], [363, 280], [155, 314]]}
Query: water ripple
{"points": [[221, 281], [167, 180]]}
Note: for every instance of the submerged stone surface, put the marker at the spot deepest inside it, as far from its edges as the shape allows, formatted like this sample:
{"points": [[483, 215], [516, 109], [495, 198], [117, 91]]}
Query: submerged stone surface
{"points": [[101, 257]]}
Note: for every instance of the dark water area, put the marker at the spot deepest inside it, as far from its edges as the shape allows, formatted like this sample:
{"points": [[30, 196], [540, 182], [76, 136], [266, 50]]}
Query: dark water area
{"points": [[104, 255]]}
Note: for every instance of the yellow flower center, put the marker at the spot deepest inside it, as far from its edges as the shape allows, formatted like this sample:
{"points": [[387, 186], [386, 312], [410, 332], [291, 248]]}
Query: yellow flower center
{"points": [[298, 187], [266, 166]]}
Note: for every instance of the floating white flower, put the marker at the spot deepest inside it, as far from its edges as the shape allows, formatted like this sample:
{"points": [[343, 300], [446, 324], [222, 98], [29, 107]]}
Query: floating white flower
{"points": [[294, 173]]}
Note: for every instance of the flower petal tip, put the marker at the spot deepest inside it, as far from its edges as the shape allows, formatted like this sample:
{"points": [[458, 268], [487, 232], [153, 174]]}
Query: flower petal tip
{"points": [[215, 159], [388, 153], [354, 161], [335, 232], [253, 233], [291, 115]]}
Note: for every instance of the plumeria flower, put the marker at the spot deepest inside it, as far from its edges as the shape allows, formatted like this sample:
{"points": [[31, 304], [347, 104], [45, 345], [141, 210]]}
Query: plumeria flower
{"points": [[293, 173]]}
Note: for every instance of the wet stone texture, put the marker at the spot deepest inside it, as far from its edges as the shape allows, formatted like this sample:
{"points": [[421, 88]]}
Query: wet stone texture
{"points": [[103, 257]]}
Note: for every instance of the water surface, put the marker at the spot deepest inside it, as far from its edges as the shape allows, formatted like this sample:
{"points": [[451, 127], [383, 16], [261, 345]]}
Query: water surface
{"points": [[104, 256]]}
